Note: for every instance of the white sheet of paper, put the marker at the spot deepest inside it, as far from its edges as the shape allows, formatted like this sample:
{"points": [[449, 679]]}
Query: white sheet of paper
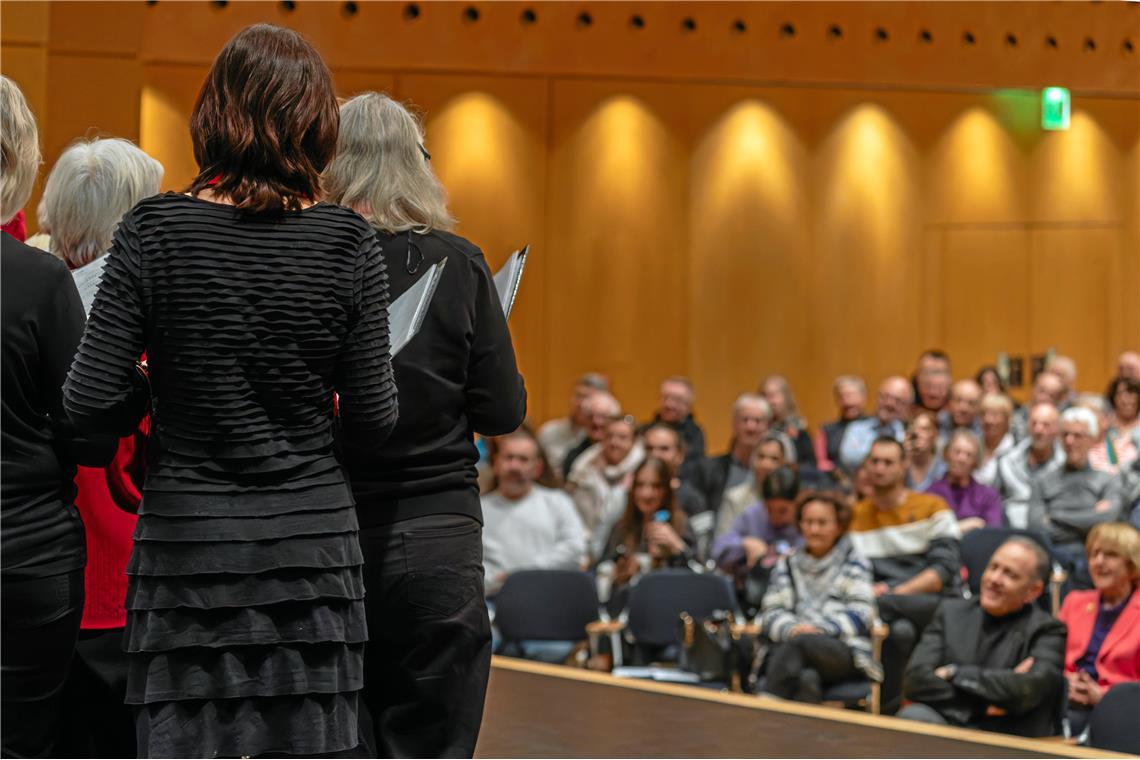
{"points": [[508, 278], [406, 314], [87, 279]]}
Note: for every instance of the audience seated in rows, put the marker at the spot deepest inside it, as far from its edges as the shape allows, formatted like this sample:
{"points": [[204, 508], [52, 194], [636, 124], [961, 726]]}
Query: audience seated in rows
{"points": [[992, 662], [600, 479], [1067, 502], [894, 402], [774, 450], [786, 418], [759, 536], [911, 540], [651, 533], [997, 438], [751, 418], [558, 436], [1031, 459], [975, 505], [600, 408], [675, 409], [526, 526], [819, 607], [924, 466], [850, 394], [1103, 645]]}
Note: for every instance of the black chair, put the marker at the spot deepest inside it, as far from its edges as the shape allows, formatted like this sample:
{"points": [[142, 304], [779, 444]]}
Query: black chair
{"points": [[979, 545], [1112, 724], [659, 598], [545, 605]]}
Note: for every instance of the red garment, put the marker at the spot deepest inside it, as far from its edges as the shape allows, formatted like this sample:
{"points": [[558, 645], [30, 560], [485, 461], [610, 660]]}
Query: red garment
{"points": [[103, 495], [1119, 657], [16, 227]]}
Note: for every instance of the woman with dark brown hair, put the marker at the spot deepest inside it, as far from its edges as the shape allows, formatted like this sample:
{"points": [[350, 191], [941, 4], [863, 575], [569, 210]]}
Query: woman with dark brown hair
{"points": [[254, 305], [652, 533]]}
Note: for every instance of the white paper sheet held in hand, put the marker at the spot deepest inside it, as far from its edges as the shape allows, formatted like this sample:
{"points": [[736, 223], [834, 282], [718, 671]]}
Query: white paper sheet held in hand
{"points": [[87, 280], [507, 279], [406, 314]]}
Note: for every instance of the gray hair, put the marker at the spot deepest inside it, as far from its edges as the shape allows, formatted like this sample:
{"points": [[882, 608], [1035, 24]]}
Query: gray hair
{"points": [[1084, 416], [595, 380], [967, 435], [751, 398], [92, 185], [790, 455], [19, 150], [850, 380], [381, 169]]}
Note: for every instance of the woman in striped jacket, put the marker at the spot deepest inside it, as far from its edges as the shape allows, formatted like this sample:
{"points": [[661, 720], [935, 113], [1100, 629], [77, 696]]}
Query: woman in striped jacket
{"points": [[820, 606]]}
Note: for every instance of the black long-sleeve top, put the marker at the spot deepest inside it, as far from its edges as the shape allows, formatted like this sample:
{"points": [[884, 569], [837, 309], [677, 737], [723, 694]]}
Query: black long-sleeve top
{"points": [[457, 377], [984, 651], [42, 323], [250, 324]]}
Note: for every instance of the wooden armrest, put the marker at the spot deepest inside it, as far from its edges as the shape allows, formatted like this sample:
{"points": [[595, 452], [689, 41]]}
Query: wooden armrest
{"points": [[605, 627], [751, 630]]}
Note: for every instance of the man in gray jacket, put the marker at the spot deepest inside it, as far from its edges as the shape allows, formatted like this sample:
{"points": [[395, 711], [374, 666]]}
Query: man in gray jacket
{"points": [[1066, 503], [1027, 462]]}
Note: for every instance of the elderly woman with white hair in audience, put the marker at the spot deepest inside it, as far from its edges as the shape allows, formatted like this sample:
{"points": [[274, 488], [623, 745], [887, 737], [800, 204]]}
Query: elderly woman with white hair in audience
{"points": [[975, 504], [997, 439], [42, 539], [92, 185]]}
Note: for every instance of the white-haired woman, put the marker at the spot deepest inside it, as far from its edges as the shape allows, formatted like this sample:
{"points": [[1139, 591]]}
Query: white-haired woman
{"points": [[42, 544], [417, 500], [92, 185]]}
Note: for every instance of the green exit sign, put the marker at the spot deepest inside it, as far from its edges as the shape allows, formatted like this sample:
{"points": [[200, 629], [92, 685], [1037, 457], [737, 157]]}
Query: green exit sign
{"points": [[1055, 105]]}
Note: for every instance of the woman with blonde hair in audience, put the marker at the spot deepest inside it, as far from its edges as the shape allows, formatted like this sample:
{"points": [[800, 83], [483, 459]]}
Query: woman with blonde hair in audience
{"points": [[417, 498], [42, 538], [997, 440], [92, 185], [818, 612], [975, 504], [775, 450], [1103, 644], [652, 533], [924, 466], [786, 418]]}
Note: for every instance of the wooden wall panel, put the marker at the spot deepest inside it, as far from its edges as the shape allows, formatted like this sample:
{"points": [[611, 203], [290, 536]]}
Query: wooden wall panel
{"points": [[1070, 308], [617, 232]]}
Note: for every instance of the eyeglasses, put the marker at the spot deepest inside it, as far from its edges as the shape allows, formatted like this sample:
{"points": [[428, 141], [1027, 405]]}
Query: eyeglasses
{"points": [[423, 150]]}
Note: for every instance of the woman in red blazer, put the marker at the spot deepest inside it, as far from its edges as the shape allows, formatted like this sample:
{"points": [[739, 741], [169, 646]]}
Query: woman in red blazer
{"points": [[1103, 645]]}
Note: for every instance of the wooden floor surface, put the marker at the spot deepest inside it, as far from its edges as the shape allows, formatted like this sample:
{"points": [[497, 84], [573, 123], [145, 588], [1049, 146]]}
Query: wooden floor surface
{"points": [[538, 710]]}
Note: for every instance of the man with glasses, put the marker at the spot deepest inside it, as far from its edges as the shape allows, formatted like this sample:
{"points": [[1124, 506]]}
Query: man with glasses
{"points": [[894, 401]]}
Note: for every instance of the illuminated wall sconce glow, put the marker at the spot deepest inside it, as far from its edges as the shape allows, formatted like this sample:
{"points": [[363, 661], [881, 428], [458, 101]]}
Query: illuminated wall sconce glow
{"points": [[1056, 104]]}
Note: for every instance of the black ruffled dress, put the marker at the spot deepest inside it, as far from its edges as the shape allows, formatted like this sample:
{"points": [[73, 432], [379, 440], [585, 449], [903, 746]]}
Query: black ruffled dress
{"points": [[245, 629]]}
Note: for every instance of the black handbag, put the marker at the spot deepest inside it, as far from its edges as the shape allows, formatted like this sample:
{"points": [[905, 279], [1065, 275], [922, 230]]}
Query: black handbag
{"points": [[710, 648]]}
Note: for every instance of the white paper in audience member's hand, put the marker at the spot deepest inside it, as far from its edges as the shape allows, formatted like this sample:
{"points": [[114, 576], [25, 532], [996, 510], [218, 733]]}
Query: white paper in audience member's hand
{"points": [[87, 279]]}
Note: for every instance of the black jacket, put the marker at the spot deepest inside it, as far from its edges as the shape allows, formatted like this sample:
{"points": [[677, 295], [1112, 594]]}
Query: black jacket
{"points": [[43, 321], [985, 650], [457, 377], [691, 434], [710, 476]]}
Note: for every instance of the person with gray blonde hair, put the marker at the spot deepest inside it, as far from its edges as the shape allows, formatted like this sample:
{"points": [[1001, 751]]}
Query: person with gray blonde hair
{"points": [[416, 496], [1067, 502], [850, 393], [42, 542], [713, 476], [975, 504], [786, 418], [20, 154], [89, 189]]}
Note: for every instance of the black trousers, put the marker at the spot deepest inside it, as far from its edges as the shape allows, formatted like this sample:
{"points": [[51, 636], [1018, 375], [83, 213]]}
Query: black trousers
{"points": [[99, 723], [429, 650], [39, 622], [802, 666], [907, 616]]}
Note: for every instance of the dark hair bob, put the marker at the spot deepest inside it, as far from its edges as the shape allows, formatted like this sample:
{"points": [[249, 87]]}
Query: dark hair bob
{"points": [[265, 123]]}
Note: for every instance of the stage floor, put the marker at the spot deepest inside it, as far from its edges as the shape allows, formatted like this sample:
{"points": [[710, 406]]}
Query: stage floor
{"points": [[536, 710]]}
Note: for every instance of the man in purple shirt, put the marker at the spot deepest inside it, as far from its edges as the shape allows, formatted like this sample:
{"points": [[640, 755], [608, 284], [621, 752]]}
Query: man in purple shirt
{"points": [[976, 505]]}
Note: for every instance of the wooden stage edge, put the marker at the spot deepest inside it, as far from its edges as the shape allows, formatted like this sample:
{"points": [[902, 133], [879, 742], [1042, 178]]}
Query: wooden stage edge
{"points": [[1036, 746]]}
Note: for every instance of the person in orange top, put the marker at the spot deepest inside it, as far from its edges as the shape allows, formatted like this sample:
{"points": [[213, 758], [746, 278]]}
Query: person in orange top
{"points": [[1103, 645]]}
